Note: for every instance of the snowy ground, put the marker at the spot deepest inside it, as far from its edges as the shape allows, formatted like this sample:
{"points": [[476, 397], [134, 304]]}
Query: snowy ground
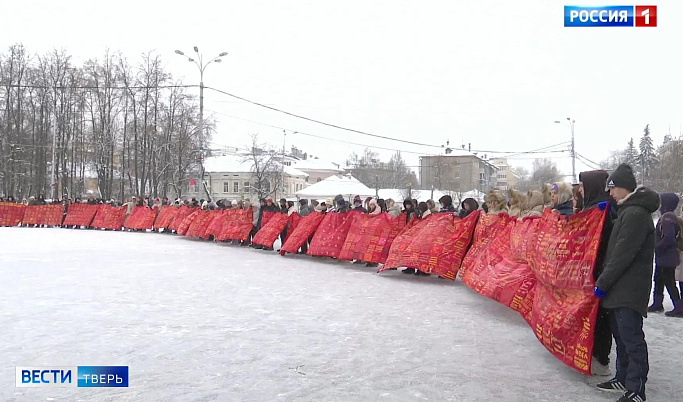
{"points": [[197, 321]]}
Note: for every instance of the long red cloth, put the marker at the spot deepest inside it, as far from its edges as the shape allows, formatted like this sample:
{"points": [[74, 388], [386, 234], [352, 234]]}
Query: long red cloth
{"points": [[435, 245], [11, 214], [43, 215], [237, 225], [302, 232], [330, 236], [165, 217], [80, 214], [371, 236], [109, 217], [141, 218], [271, 230]]}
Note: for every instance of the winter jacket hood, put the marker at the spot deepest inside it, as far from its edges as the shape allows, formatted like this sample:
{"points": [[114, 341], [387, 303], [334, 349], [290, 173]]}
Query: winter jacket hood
{"points": [[394, 210], [518, 203], [474, 205], [627, 277], [373, 208], [667, 232], [593, 182], [496, 202], [566, 208], [669, 202]]}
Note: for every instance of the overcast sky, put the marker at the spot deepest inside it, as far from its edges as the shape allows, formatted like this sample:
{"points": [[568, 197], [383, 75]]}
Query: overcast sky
{"points": [[492, 73]]}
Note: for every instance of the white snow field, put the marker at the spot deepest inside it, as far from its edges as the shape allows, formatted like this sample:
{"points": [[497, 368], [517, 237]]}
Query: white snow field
{"points": [[198, 321]]}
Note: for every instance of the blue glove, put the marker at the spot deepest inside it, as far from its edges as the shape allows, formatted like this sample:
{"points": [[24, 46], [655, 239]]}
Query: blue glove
{"points": [[599, 293], [603, 205]]}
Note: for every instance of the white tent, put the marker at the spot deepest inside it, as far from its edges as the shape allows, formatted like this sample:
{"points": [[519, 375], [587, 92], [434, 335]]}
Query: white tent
{"points": [[346, 185]]}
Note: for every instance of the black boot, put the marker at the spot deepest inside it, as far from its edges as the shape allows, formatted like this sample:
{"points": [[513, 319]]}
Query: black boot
{"points": [[409, 271]]}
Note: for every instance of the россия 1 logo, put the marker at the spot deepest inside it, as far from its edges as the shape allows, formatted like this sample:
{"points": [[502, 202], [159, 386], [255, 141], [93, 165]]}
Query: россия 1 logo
{"points": [[610, 16]]}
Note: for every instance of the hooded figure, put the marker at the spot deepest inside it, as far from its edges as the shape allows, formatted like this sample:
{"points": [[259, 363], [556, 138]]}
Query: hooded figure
{"points": [[432, 206], [667, 256], [423, 210], [592, 190], [562, 198], [446, 204], [496, 202], [535, 204], [468, 206], [358, 205], [393, 209], [518, 203], [409, 210], [373, 207]]}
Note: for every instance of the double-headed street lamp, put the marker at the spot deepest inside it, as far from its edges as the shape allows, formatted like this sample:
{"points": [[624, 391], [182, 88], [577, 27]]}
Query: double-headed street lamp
{"points": [[201, 66]]}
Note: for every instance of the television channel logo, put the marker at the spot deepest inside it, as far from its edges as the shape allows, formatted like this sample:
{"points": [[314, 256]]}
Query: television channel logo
{"points": [[72, 377], [610, 16]]}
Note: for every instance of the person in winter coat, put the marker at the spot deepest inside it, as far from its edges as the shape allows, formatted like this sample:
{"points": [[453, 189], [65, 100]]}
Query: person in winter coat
{"points": [[468, 206], [667, 256], [562, 198], [341, 204], [358, 205], [624, 285], [577, 199], [517, 204], [432, 206], [410, 211], [392, 209], [496, 202], [446, 204], [423, 210], [592, 191], [535, 204], [304, 209], [382, 205], [373, 208], [365, 203], [157, 204]]}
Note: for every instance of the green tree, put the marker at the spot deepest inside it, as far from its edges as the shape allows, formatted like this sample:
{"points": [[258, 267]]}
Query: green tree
{"points": [[648, 157]]}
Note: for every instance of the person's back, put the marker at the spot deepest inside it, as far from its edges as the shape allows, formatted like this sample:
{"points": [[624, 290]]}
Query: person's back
{"points": [[667, 257]]}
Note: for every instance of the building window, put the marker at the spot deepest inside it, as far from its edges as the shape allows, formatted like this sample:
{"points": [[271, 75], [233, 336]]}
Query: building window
{"points": [[245, 187], [226, 187], [457, 174], [482, 176], [235, 187]]}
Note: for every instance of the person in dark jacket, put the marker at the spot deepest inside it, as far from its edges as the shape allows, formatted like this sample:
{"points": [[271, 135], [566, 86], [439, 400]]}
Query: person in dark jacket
{"points": [[592, 192], [341, 204], [625, 283], [358, 205], [411, 214], [304, 209], [468, 206], [667, 256], [446, 204]]}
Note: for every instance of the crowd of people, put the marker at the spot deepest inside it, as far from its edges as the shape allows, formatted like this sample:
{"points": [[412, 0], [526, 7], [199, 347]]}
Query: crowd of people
{"points": [[623, 271]]}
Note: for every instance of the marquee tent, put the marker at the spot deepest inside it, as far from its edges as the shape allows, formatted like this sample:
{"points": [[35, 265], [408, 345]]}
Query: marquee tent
{"points": [[346, 185]]}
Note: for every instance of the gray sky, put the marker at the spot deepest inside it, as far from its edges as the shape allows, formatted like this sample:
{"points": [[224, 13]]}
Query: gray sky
{"points": [[493, 73]]}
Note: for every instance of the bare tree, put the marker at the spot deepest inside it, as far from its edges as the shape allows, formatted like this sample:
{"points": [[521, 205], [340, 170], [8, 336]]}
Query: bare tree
{"points": [[265, 168]]}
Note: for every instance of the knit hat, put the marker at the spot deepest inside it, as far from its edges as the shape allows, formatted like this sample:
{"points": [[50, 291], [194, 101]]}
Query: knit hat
{"points": [[622, 177]]}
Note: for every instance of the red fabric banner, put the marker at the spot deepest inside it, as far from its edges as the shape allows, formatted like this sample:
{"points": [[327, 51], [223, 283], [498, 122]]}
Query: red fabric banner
{"points": [[435, 245], [43, 215], [293, 222], [301, 232], [266, 217], [201, 223], [165, 217], [109, 217], [11, 214], [330, 236], [184, 226], [141, 218], [215, 226], [371, 236], [80, 214], [542, 268], [564, 308], [271, 230], [183, 212], [237, 225]]}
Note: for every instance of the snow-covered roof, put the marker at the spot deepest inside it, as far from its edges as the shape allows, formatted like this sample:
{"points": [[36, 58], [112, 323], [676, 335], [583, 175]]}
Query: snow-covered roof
{"points": [[398, 194], [346, 185], [241, 164], [228, 163], [316, 164]]}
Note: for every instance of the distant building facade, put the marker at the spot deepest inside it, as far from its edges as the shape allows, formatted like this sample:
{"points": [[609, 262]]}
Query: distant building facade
{"points": [[458, 170]]}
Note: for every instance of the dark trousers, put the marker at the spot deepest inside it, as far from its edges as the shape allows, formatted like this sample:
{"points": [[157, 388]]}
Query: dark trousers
{"points": [[666, 277], [602, 338], [632, 359]]}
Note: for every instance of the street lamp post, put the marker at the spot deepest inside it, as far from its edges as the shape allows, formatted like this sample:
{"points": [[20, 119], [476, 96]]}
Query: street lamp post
{"points": [[201, 66]]}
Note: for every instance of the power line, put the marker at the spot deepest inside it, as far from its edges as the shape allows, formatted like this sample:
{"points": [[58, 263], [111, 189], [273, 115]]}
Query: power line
{"points": [[95, 87], [322, 122]]}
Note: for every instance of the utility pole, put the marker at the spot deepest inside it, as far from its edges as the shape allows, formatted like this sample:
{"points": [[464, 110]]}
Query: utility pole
{"points": [[201, 66], [376, 186], [572, 149]]}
